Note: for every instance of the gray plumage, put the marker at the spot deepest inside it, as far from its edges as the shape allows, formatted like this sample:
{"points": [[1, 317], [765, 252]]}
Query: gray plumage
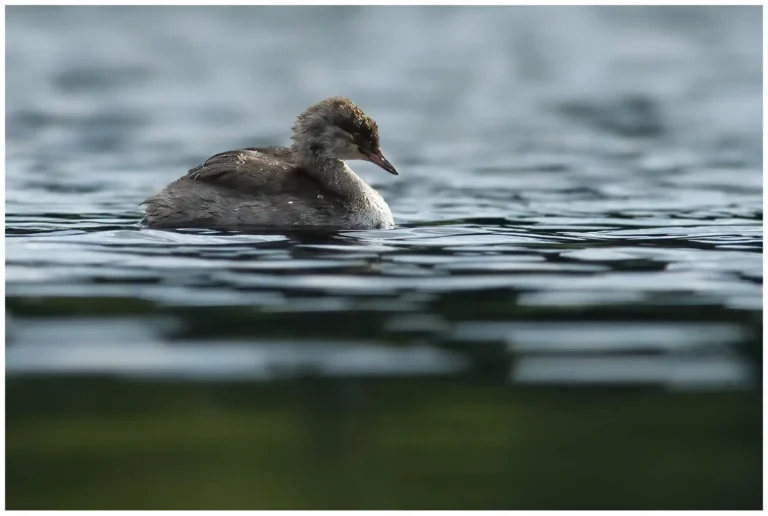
{"points": [[307, 184]]}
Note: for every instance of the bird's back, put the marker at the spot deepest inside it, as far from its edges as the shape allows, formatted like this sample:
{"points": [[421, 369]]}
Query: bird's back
{"points": [[246, 187]]}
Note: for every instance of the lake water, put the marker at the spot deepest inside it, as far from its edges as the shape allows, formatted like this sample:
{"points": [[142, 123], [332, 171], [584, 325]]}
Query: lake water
{"points": [[579, 212]]}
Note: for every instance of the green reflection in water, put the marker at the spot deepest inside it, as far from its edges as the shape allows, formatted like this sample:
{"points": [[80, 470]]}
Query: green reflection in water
{"points": [[376, 444]]}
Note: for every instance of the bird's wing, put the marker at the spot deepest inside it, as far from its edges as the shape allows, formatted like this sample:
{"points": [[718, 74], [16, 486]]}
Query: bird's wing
{"points": [[245, 168]]}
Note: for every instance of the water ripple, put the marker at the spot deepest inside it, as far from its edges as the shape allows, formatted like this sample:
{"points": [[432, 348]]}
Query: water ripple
{"points": [[568, 209]]}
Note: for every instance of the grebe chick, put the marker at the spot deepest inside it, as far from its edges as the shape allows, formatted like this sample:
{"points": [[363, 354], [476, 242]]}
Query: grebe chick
{"points": [[306, 184]]}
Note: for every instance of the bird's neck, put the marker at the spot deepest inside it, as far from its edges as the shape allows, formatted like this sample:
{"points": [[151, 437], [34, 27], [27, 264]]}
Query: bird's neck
{"points": [[333, 174]]}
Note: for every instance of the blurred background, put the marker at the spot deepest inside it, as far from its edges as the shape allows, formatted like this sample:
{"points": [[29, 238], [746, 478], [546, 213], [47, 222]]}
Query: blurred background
{"points": [[567, 316]]}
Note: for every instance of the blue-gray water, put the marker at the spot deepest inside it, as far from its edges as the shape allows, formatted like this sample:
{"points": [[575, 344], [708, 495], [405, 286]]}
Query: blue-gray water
{"points": [[580, 198]]}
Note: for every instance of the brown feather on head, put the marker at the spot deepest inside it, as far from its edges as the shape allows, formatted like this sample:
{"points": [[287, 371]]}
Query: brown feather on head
{"points": [[352, 119]]}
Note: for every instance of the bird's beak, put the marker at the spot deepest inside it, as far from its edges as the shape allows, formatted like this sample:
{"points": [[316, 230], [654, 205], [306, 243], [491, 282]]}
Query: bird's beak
{"points": [[379, 159]]}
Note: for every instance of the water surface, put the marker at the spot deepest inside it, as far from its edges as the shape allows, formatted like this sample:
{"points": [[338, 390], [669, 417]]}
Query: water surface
{"points": [[580, 204]]}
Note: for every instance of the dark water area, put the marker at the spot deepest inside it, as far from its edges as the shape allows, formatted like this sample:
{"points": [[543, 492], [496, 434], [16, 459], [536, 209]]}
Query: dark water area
{"points": [[568, 314]]}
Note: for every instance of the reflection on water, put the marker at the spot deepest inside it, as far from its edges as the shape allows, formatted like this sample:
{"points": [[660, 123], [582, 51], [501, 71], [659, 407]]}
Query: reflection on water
{"points": [[567, 315]]}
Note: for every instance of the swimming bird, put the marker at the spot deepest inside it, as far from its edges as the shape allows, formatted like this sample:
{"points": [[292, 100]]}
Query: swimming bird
{"points": [[306, 184]]}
